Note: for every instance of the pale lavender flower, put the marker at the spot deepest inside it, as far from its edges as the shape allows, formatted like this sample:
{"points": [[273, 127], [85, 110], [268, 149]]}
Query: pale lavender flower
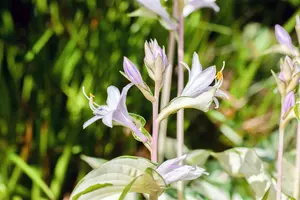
{"points": [[172, 171], [283, 37], [156, 7], [289, 101], [198, 92], [194, 5], [132, 72], [114, 111]]}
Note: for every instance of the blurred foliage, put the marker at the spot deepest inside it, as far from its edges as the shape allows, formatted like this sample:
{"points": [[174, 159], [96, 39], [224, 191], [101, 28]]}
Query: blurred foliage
{"points": [[50, 49]]}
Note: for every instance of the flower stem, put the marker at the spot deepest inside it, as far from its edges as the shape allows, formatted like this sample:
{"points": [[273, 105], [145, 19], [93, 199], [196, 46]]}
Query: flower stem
{"points": [[280, 153], [155, 123], [180, 114], [297, 184], [280, 162], [165, 96]]}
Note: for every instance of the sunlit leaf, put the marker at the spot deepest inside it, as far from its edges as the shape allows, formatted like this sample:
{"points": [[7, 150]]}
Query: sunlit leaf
{"points": [[197, 157], [132, 174], [92, 161], [245, 163], [142, 12]]}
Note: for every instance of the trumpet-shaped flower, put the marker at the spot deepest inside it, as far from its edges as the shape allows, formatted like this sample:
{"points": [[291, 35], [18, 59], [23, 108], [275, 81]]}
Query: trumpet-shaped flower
{"points": [[198, 92], [134, 76], [114, 111], [172, 171], [155, 7], [194, 5]]}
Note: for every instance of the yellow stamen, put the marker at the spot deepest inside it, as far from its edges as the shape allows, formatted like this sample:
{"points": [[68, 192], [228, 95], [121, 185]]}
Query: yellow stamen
{"points": [[219, 75], [92, 97]]}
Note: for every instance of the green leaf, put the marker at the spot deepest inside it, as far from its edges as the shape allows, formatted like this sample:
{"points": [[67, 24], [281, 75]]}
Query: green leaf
{"points": [[142, 12], [140, 122], [245, 163], [123, 174], [33, 175], [197, 157], [170, 148], [297, 110], [92, 161], [210, 190], [201, 102]]}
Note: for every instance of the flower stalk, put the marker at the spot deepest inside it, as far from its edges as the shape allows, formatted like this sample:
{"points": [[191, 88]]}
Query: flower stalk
{"points": [[280, 161], [180, 114], [155, 123], [297, 184], [166, 90], [297, 181]]}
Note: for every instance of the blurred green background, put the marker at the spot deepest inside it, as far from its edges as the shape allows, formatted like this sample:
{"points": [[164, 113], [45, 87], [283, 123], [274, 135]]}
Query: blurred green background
{"points": [[50, 49]]}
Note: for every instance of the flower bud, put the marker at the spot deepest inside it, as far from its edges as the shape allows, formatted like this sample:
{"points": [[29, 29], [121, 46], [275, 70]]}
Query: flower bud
{"points": [[293, 83], [289, 101], [132, 72], [283, 37], [280, 83], [286, 69], [155, 60]]}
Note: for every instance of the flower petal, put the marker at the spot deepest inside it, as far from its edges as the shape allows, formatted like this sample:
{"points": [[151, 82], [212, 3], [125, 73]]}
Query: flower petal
{"points": [[107, 119], [92, 120], [169, 165], [156, 7], [200, 83], [194, 5], [124, 119], [122, 102], [196, 66], [113, 97], [183, 173]]}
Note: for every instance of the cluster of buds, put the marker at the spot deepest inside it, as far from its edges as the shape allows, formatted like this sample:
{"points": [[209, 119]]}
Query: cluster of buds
{"points": [[156, 63], [288, 78]]}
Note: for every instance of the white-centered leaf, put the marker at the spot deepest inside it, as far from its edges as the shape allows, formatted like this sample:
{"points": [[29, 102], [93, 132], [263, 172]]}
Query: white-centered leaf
{"points": [[92, 161], [244, 162], [197, 157], [131, 173]]}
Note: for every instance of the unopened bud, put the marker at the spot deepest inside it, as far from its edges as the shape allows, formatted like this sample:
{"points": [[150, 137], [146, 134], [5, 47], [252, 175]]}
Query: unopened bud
{"points": [[132, 72], [283, 37], [289, 101], [286, 68], [293, 83], [280, 83]]}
